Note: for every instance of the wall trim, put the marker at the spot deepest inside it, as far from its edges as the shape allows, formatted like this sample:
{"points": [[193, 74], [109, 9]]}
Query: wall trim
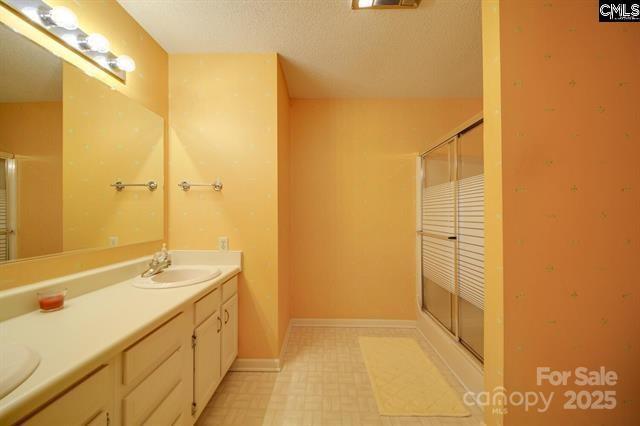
{"points": [[263, 364], [256, 364], [324, 322], [285, 344], [463, 365]]}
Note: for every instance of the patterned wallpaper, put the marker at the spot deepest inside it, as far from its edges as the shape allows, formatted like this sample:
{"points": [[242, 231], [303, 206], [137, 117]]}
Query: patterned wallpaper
{"points": [[571, 190], [223, 119]]}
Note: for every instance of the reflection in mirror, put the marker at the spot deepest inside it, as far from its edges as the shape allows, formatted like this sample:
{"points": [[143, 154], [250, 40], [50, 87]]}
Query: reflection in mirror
{"points": [[31, 146], [108, 138], [64, 139]]}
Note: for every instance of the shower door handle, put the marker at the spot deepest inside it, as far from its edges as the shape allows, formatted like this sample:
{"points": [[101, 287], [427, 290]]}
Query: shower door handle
{"points": [[452, 238]]}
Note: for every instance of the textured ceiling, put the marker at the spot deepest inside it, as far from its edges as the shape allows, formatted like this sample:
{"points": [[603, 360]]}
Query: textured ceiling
{"points": [[330, 50], [28, 73]]}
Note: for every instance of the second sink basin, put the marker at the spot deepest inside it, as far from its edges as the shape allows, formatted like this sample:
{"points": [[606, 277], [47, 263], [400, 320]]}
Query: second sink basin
{"points": [[178, 276], [17, 362]]}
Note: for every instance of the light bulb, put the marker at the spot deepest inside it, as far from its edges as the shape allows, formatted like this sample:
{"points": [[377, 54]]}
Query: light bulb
{"points": [[125, 63], [32, 13], [365, 3], [97, 43], [63, 17]]}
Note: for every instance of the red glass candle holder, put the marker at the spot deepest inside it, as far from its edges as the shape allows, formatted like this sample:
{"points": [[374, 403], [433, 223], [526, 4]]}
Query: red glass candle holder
{"points": [[51, 300]]}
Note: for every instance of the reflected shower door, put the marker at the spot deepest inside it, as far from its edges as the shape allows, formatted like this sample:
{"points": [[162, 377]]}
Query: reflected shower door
{"points": [[4, 212], [438, 228]]}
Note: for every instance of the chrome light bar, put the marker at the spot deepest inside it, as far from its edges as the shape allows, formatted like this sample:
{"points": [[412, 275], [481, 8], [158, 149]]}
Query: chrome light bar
{"points": [[61, 24]]}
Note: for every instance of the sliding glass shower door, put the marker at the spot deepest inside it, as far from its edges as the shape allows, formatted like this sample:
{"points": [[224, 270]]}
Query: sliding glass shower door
{"points": [[438, 233], [452, 236]]}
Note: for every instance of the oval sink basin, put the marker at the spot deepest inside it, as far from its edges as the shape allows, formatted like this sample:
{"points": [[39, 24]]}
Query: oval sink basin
{"points": [[17, 362], [178, 276]]}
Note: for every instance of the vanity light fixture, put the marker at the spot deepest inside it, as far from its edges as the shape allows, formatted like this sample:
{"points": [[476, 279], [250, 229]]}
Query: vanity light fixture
{"points": [[61, 23], [384, 4]]}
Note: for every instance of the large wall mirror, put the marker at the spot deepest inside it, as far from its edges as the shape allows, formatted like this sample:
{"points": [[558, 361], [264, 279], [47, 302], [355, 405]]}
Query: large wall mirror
{"points": [[65, 139]]}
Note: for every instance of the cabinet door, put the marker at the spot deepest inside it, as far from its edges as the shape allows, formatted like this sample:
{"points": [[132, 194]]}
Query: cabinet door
{"points": [[229, 332], [206, 360], [89, 402]]}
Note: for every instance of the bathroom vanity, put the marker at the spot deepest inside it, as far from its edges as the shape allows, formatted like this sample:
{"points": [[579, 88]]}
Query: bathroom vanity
{"points": [[120, 354]]}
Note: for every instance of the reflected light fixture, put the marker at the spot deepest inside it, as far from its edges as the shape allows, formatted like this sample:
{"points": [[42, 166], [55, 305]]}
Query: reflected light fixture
{"points": [[384, 4], [96, 42], [125, 63], [60, 16], [61, 23]]}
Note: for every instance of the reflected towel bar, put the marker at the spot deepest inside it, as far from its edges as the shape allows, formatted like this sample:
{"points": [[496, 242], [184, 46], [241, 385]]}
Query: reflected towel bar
{"points": [[119, 186], [185, 185]]}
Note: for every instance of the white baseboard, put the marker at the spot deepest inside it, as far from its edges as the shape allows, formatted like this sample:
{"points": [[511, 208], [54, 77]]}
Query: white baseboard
{"points": [[263, 364], [285, 343], [256, 364], [321, 322], [463, 365]]}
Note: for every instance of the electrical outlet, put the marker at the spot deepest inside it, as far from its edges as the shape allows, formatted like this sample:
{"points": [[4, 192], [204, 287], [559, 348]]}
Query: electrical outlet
{"points": [[223, 243]]}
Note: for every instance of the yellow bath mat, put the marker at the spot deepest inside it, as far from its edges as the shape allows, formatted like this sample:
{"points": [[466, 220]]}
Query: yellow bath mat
{"points": [[405, 382]]}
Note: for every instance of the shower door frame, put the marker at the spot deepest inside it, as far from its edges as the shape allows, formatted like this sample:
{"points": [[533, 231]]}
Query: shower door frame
{"points": [[12, 201], [454, 139]]}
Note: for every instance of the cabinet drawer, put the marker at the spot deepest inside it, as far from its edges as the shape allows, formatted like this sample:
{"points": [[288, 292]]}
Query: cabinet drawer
{"points": [[149, 394], [101, 419], [143, 356], [80, 405], [229, 289], [169, 409], [207, 306]]}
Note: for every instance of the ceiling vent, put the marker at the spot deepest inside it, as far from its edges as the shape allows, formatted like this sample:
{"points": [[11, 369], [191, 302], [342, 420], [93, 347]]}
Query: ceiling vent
{"points": [[384, 4]]}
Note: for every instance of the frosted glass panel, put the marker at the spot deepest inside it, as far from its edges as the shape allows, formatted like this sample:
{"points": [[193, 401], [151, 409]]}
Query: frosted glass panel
{"points": [[470, 255], [438, 208]]}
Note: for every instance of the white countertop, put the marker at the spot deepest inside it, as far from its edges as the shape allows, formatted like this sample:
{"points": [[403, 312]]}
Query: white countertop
{"points": [[90, 330]]}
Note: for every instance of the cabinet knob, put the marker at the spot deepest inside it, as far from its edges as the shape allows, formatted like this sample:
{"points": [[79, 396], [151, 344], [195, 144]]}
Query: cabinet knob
{"points": [[226, 313], [219, 325]]}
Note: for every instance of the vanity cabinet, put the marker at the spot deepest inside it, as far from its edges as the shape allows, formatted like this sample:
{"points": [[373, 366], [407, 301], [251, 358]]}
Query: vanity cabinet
{"points": [[166, 377]]}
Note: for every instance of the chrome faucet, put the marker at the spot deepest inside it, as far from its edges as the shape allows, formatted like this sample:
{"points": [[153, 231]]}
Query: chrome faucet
{"points": [[160, 261]]}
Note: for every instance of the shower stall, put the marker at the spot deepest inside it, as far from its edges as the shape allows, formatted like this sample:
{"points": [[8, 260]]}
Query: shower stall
{"points": [[451, 235]]}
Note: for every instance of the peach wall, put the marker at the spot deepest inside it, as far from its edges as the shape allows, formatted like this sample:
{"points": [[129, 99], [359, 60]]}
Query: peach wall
{"points": [[493, 246], [33, 132], [353, 202], [147, 85], [224, 123], [570, 149], [284, 208]]}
